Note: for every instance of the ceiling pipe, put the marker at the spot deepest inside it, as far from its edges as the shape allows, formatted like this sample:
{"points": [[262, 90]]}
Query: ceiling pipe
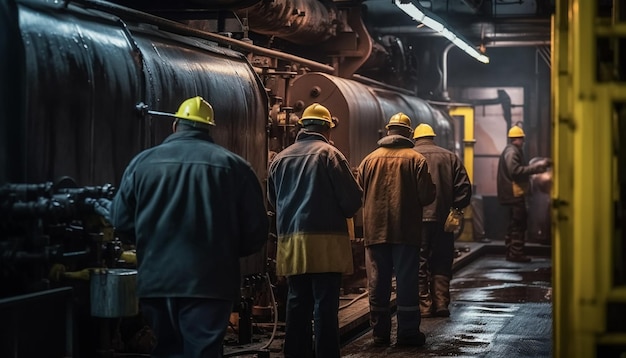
{"points": [[348, 65], [444, 69], [517, 43], [298, 21], [427, 32], [178, 28], [471, 5]]}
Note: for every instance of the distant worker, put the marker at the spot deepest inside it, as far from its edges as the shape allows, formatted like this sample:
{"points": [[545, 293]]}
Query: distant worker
{"points": [[397, 185], [314, 192], [513, 186], [194, 208], [454, 191]]}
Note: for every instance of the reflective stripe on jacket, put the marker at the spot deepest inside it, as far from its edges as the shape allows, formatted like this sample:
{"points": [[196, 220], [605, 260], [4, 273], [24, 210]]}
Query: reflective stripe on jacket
{"points": [[300, 253]]}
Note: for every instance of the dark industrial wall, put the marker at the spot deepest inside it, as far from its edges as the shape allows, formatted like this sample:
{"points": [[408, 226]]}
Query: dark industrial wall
{"points": [[509, 67]]}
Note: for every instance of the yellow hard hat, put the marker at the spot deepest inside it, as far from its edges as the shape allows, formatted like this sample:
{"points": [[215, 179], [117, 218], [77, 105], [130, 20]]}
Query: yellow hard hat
{"points": [[399, 119], [316, 114], [423, 130], [196, 109], [516, 132]]}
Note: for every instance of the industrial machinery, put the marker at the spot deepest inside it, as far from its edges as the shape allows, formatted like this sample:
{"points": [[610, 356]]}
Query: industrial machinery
{"points": [[79, 90]]}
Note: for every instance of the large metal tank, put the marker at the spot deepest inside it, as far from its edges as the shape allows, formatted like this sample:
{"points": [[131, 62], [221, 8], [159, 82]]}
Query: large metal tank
{"points": [[362, 111], [84, 71], [76, 77]]}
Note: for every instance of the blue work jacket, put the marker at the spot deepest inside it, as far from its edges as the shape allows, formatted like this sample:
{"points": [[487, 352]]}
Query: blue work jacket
{"points": [[313, 190], [195, 208]]}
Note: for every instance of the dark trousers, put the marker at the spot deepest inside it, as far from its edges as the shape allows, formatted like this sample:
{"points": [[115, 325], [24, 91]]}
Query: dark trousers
{"points": [[436, 257], [518, 219], [187, 327], [516, 231], [381, 261], [437, 249], [313, 298]]}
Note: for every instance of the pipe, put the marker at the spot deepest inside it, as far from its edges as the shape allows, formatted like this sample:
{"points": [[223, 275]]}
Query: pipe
{"points": [[372, 82], [180, 29], [444, 75], [517, 43], [471, 5], [298, 21], [351, 63]]}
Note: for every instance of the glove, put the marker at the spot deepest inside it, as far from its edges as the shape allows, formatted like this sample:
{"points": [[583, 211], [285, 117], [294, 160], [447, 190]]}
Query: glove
{"points": [[542, 165], [102, 207]]}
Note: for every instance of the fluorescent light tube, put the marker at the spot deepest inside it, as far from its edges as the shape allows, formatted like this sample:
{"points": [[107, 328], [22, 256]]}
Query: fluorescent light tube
{"points": [[418, 15]]}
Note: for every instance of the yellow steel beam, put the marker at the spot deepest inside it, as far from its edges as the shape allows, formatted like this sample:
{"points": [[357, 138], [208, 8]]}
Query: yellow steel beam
{"points": [[468, 161], [468, 137], [585, 185], [562, 280]]}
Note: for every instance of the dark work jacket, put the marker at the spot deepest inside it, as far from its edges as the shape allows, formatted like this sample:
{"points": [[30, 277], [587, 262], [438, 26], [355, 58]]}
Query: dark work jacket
{"points": [[314, 192], [513, 179], [396, 185], [195, 208], [449, 175]]}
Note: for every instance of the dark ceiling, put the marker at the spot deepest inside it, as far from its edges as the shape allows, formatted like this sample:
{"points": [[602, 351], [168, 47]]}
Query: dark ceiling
{"points": [[486, 22], [491, 23]]}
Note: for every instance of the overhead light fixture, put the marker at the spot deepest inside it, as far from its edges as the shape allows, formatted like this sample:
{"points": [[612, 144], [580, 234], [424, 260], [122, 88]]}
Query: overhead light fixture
{"points": [[418, 15]]}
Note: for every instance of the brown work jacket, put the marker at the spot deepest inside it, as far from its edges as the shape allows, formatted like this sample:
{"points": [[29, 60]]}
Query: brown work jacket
{"points": [[396, 185]]}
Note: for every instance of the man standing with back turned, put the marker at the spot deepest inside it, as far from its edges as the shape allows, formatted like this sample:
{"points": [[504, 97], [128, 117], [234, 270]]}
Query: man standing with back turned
{"points": [[314, 192], [454, 190], [194, 208], [513, 186], [396, 185]]}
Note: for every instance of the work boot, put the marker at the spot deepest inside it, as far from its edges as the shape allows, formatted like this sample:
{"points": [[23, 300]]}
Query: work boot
{"points": [[426, 301], [426, 310], [515, 251], [441, 295], [382, 341]]}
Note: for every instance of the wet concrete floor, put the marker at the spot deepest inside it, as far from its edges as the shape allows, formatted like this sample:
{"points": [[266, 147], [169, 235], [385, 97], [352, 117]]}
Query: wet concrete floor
{"points": [[498, 309]]}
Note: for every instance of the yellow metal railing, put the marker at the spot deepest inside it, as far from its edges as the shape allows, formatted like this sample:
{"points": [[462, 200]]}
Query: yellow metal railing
{"points": [[468, 137]]}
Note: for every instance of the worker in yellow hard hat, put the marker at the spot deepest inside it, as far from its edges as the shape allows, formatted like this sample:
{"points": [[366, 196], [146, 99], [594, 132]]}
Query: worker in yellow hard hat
{"points": [[399, 120], [194, 209], [454, 192], [516, 132], [311, 187], [424, 130], [513, 182], [316, 114], [396, 186], [195, 112]]}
